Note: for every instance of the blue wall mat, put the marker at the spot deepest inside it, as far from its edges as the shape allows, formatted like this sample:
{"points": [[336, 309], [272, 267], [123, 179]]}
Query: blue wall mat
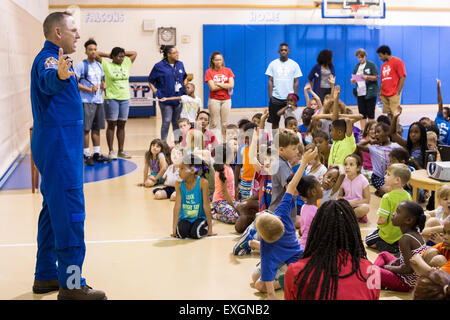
{"points": [[21, 176], [248, 50]]}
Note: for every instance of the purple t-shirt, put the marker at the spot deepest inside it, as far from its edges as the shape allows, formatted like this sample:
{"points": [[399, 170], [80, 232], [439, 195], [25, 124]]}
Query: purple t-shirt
{"points": [[307, 215], [354, 189], [379, 155], [154, 165]]}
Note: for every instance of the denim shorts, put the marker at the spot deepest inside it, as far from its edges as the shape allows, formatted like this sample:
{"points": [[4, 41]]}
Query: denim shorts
{"points": [[116, 109]]}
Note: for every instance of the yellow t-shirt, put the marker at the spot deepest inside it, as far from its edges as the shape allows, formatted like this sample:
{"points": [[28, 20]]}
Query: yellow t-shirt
{"points": [[116, 79], [341, 149]]}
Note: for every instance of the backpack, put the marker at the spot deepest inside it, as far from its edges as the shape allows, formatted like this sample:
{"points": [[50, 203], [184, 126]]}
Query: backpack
{"points": [[85, 72]]}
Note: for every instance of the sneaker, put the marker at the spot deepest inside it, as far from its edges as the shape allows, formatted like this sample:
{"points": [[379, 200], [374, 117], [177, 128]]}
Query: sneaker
{"points": [[84, 293], [112, 155], [242, 247], [123, 154], [363, 219], [98, 157], [88, 160]]}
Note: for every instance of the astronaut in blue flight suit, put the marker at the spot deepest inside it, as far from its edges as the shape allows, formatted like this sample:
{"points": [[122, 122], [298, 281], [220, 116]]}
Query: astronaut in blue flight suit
{"points": [[57, 148]]}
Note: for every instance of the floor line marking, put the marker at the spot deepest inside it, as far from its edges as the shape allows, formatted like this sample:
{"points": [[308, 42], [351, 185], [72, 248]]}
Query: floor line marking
{"points": [[119, 241]]}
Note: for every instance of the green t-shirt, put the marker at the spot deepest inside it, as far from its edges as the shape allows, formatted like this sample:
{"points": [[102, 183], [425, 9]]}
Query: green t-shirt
{"points": [[341, 149], [388, 206], [116, 79]]}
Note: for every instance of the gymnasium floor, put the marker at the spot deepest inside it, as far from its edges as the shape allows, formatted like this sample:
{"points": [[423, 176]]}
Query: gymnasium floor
{"points": [[130, 254]]}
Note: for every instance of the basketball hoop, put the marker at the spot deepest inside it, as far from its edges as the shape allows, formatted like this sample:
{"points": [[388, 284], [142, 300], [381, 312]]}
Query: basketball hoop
{"points": [[355, 7], [358, 15]]}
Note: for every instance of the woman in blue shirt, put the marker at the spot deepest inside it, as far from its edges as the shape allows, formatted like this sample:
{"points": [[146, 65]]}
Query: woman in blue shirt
{"points": [[167, 79], [321, 73]]}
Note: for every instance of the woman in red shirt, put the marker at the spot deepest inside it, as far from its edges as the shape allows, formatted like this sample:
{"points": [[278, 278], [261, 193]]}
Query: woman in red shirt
{"points": [[221, 83], [334, 265]]}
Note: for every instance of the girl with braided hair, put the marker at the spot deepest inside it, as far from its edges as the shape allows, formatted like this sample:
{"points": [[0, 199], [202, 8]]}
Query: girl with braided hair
{"points": [[334, 265]]}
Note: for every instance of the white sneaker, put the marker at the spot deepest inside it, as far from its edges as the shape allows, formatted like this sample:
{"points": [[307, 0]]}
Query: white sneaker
{"points": [[123, 154], [112, 155]]}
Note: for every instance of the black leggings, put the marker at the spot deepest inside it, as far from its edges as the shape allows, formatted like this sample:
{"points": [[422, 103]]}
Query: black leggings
{"points": [[194, 230]]}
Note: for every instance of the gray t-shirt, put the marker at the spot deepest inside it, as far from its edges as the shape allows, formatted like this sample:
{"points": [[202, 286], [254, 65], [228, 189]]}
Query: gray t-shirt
{"points": [[279, 182], [324, 77]]}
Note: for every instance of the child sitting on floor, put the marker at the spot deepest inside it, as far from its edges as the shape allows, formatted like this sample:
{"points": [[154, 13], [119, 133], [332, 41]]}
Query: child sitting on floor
{"points": [[315, 166], [355, 187], [223, 203], [157, 160], [322, 141], [310, 190], [279, 243], [436, 218], [171, 176], [192, 210], [386, 237], [397, 274]]}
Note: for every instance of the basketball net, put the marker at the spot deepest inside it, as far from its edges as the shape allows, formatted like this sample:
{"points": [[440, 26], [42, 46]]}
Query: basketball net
{"points": [[359, 16]]}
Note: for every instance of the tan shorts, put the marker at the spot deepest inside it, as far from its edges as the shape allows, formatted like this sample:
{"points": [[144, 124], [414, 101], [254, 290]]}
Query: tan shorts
{"points": [[390, 103]]}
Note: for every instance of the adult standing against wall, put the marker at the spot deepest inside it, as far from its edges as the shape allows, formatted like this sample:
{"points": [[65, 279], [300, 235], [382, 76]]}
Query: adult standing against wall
{"points": [[167, 79], [283, 79], [320, 75], [393, 75], [221, 83], [117, 96], [90, 77], [57, 147], [366, 90]]}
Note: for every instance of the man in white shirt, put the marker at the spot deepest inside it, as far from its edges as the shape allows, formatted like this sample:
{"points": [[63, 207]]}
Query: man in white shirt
{"points": [[283, 79]]}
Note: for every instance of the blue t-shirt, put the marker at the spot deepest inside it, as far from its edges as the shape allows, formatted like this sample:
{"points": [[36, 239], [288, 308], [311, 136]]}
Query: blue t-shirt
{"points": [[191, 203], [283, 74], [303, 128], [287, 249], [94, 77], [444, 129]]}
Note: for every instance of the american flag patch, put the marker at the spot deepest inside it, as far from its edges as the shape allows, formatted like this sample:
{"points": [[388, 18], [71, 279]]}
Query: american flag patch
{"points": [[51, 63]]}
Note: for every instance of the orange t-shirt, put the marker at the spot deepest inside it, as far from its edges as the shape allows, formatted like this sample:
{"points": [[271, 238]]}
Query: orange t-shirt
{"points": [[248, 172], [446, 253]]}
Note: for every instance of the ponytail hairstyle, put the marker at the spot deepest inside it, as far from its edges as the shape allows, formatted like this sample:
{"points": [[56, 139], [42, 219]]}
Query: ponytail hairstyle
{"points": [[197, 164], [222, 156], [165, 50], [334, 239], [434, 285], [415, 210], [211, 58]]}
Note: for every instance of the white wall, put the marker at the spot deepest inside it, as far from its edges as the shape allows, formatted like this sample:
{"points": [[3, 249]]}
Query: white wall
{"points": [[36, 8], [20, 40]]}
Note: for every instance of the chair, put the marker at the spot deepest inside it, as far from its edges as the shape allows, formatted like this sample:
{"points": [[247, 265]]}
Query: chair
{"points": [[34, 170]]}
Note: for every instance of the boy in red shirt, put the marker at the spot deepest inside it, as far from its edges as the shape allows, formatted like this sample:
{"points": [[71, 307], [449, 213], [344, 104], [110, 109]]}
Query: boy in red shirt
{"points": [[393, 75]]}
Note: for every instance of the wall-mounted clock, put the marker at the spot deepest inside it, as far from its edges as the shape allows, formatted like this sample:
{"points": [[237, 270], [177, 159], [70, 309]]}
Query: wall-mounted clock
{"points": [[167, 36]]}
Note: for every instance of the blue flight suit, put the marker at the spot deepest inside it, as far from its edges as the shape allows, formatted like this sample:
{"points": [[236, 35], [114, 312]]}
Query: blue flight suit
{"points": [[57, 147]]}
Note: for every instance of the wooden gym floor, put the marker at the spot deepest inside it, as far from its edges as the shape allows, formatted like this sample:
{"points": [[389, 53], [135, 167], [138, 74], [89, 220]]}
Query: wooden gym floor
{"points": [[130, 254]]}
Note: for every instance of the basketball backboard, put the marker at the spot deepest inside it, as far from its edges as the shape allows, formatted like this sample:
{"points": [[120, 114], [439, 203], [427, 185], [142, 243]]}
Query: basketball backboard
{"points": [[356, 9]]}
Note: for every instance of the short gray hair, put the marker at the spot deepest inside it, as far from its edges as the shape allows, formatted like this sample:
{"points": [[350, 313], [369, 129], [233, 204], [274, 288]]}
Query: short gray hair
{"points": [[54, 19]]}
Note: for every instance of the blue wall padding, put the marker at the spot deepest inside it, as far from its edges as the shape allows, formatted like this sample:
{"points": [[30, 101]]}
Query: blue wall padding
{"points": [[248, 49]]}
